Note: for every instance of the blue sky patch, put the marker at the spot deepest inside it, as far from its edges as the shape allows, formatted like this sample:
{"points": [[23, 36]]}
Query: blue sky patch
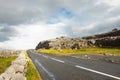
{"points": [[62, 12], [66, 13]]}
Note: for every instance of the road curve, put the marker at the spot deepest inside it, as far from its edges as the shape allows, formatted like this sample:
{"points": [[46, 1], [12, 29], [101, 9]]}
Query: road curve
{"points": [[53, 67]]}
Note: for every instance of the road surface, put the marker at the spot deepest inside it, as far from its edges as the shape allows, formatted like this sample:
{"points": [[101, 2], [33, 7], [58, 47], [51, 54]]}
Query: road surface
{"points": [[53, 67]]}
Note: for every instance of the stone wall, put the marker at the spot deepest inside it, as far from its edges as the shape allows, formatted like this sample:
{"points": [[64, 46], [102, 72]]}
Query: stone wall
{"points": [[17, 70]]}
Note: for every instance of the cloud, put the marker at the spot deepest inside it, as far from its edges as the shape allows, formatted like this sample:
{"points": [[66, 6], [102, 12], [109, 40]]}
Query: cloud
{"points": [[6, 32], [98, 27], [26, 22], [29, 35], [17, 12]]}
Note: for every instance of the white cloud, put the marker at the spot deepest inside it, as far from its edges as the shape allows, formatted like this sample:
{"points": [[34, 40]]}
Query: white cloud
{"points": [[29, 35], [112, 2]]}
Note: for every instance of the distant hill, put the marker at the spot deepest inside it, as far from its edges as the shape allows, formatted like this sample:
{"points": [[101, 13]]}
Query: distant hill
{"points": [[109, 39]]}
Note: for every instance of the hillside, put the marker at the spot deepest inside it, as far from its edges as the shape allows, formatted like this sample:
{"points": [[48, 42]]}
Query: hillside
{"points": [[109, 39]]}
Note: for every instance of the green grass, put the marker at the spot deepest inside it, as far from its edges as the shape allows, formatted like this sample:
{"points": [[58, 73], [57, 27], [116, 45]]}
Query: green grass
{"points": [[5, 63], [32, 73], [113, 51]]}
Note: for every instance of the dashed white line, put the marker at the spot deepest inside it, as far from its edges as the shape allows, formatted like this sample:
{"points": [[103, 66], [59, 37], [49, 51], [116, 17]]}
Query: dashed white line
{"points": [[58, 60], [98, 72], [45, 56], [91, 70], [49, 73]]}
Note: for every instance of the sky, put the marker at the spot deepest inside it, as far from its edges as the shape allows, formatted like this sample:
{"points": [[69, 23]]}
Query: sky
{"points": [[24, 23]]}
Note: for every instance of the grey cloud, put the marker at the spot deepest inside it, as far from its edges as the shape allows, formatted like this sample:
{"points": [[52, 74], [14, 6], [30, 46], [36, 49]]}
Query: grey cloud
{"points": [[104, 27], [6, 32], [14, 12], [114, 12]]}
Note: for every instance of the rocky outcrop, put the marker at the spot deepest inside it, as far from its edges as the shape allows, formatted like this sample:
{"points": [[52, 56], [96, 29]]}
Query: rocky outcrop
{"points": [[17, 70], [64, 42], [108, 42], [110, 39]]}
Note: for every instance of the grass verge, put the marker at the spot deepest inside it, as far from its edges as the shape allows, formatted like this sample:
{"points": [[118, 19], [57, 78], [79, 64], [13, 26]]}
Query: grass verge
{"points": [[113, 51], [32, 73], [5, 63]]}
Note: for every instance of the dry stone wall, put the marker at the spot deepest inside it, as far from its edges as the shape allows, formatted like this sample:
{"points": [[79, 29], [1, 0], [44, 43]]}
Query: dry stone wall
{"points": [[17, 70]]}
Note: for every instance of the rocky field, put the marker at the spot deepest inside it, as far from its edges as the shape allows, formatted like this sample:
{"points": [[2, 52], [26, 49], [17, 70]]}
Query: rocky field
{"points": [[9, 53]]}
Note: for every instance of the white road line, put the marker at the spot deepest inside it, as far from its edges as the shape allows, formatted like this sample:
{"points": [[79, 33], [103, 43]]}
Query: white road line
{"points": [[98, 72], [42, 55], [49, 73], [45, 56], [38, 54], [58, 60]]}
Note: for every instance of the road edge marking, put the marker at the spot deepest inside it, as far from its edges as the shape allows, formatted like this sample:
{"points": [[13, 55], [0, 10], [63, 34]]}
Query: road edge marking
{"points": [[98, 72], [49, 73], [58, 60]]}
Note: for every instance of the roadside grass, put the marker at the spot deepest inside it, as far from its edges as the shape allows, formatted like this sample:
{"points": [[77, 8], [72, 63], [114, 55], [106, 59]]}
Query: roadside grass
{"points": [[5, 63], [104, 51], [32, 73]]}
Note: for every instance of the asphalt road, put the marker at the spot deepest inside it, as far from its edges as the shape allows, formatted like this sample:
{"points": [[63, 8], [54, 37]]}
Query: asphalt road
{"points": [[53, 67]]}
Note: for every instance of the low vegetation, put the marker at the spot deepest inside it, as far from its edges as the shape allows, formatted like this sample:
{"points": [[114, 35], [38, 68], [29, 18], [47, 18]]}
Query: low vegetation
{"points": [[113, 51], [32, 73], [5, 63]]}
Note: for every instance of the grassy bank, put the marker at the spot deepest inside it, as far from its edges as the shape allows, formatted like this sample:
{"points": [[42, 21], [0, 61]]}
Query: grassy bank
{"points": [[5, 63], [32, 73], [113, 51]]}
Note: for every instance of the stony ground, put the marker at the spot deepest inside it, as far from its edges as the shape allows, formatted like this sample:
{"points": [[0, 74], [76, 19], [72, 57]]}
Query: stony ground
{"points": [[9, 53]]}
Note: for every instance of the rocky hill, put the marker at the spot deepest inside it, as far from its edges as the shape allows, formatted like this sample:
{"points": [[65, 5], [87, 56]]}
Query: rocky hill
{"points": [[109, 39]]}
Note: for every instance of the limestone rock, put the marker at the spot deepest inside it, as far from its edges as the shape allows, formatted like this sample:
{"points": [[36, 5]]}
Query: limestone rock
{"points": [[10, 70], [18, 76], [109, 39], [6, 76], [18, 68], [1, 78]]}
